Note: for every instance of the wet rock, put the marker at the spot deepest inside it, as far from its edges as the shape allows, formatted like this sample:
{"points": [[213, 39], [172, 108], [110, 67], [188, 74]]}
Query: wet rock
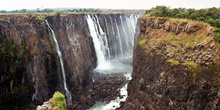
{"points": [[106, 86]]}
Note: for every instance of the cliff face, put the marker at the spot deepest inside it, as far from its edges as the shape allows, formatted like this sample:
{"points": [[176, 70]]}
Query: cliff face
{"points": [[30, 69], [175, 66]]}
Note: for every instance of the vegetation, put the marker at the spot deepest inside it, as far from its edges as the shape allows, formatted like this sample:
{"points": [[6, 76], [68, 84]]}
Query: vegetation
{"points": [[194, 69], [11, 58], [173, 62], [12, 69], [210, 15], [58, 13], [76, 10], [58, 101]]}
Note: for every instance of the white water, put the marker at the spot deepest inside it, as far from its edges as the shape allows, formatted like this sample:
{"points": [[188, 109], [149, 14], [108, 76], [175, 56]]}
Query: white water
{"points": [[112, 57], [68, 94], [98, 44]]}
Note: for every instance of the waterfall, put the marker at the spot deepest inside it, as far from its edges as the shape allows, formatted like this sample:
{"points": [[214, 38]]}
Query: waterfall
{"points": [[68, 94], [115, 46], [103, 39], [98, 42], [114, 49]]}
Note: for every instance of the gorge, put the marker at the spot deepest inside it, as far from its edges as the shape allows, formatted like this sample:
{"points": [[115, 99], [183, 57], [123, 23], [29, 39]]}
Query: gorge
{"points": [[59, 54]]}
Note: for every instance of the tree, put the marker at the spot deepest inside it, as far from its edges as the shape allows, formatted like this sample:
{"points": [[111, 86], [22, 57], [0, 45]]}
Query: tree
{"points": [[161, 11], [201, 12], [184, 14], [38, 10], [174, 12], [23, 11], [191, 10], [3, 11], [194, 15]]}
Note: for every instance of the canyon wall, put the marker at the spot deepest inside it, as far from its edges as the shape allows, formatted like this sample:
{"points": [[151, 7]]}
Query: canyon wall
{"points": [[175, 66], [30, 71]]}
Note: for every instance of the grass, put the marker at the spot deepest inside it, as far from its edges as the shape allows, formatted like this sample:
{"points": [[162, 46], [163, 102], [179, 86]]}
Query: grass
{"points": [[173, 62], [191, 64], [141, 43]]}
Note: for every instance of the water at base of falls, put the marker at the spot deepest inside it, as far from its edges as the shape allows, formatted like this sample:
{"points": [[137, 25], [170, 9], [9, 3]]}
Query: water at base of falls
{"points": [[113, 104], [115, 66]]}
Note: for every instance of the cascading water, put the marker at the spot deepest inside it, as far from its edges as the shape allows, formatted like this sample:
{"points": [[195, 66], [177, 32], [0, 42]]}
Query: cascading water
{"points": [[114, 50], [98, 43], [68, 94]]}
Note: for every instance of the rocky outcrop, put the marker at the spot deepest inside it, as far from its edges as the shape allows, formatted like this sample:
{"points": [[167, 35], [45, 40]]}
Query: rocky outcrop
{"points": [[176, 66]]}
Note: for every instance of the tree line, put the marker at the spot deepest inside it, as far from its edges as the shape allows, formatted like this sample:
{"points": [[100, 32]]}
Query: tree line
{"points": [[76, 10], [210, 15], [47, 10]]}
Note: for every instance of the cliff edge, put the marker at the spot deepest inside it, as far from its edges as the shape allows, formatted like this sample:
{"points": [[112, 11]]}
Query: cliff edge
{"points": [[175, 66]]}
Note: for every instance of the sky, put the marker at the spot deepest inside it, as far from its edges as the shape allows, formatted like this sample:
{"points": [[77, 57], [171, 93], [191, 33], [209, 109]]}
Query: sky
{"points": [[108, 4]]}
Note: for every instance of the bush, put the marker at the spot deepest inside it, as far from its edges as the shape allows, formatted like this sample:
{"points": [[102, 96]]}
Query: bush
{"points": [[43, 16], [217, 36], [58, 13], [83, 13], [159, 11], [58, 101]]}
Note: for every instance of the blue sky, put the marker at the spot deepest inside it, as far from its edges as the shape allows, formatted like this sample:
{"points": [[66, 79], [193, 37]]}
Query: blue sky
{"points": [[113, 4]]}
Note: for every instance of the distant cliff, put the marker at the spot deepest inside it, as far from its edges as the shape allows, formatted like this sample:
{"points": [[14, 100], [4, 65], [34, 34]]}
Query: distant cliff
{"points": [[176, 66]]}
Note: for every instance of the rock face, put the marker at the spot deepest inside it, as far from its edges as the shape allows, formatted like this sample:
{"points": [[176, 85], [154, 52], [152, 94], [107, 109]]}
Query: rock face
{"points": [[40, 75], [176, 66]]}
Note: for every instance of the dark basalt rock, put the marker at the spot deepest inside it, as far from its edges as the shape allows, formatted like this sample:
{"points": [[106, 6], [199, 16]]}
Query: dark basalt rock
{"points": [[106, 86], [158, 85]]}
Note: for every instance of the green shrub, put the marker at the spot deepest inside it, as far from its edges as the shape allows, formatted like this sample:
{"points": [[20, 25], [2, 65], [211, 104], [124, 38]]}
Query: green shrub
{"points": [[58, 101], [83, 13], [43, 16], [217, 29], [58, 13], [217, 36], [173, 62], [191, 64]]}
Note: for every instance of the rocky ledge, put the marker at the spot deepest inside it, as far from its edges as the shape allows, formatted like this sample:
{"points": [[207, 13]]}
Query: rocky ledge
{"points": [[176, 66]]}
